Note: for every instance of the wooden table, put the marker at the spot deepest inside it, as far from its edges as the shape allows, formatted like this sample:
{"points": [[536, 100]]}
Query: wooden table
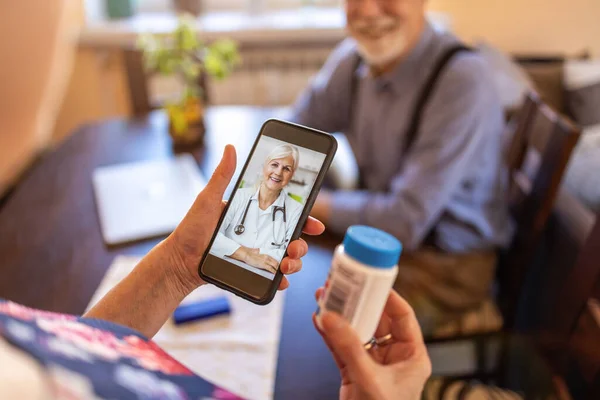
{"points": [[53, 257]]}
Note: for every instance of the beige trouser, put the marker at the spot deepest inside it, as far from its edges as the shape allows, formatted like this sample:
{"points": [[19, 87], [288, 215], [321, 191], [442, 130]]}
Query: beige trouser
{"points": [[442, 287]]}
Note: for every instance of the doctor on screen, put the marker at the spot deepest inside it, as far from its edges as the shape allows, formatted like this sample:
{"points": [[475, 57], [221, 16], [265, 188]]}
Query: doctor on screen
{"points": [[260, 222]]}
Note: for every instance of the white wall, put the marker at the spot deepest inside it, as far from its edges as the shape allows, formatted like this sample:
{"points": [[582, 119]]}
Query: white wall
{"points": [[550, 26], [37, 56]]}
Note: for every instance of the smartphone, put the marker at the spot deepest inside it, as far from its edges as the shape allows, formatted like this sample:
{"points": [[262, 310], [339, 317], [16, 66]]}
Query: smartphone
{"points": [[267, 209]]}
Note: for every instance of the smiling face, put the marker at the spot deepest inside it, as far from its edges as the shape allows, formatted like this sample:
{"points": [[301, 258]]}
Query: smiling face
{"points": [[385, 30], [278, 172]]}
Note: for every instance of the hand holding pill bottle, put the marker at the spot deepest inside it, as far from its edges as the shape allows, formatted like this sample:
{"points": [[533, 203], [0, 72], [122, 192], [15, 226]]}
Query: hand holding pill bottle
{"points": [[363, 270]]}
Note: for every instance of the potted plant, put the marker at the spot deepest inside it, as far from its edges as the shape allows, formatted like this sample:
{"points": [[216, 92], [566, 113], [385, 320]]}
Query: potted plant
{"points": [[184, 55]]}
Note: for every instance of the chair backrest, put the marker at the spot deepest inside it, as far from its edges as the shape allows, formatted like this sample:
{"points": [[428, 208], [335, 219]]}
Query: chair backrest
{"points": [[570, 339], [537, 157]]}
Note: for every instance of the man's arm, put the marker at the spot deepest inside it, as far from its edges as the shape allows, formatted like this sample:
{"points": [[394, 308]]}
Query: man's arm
{"points": [[460, 118]]}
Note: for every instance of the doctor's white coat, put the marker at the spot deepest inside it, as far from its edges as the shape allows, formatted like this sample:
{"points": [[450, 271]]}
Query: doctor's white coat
{"points": [[259, 228]]}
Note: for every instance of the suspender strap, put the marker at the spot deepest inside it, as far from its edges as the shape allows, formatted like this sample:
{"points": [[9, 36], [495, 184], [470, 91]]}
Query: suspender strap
{"points": [[426, 93]]}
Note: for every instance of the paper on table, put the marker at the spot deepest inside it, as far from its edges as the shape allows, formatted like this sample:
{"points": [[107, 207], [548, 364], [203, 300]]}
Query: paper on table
{"points": [[236, 352]]}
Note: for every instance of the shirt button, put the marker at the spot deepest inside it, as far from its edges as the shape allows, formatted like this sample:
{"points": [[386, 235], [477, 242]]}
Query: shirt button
{"points": [[384, 86]]}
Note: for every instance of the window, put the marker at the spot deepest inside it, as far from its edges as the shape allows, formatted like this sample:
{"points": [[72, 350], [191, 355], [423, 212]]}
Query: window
{"points": [[95, 9], [238, 5]]}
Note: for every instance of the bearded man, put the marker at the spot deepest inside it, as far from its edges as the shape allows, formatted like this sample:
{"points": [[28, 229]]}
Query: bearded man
{"points": [[425, 124]]}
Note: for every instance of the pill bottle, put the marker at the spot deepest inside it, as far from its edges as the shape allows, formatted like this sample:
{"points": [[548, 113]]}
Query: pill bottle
{"points": [[363, 270]]}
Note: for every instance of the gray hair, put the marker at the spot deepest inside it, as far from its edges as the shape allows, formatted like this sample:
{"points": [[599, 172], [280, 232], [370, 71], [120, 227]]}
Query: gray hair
{"points": [[283, 151]]}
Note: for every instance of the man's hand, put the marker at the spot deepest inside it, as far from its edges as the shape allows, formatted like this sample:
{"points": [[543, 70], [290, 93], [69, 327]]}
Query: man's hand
{"points": [[186, 245], [397, 370], [321, 209]]}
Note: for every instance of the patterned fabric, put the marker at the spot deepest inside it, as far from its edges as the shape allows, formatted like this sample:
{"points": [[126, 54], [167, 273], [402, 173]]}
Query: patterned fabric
{"points": [[87, 359]]}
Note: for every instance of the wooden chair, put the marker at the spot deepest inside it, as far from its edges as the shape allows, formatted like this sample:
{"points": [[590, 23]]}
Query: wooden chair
{"points": [[537, 157]]}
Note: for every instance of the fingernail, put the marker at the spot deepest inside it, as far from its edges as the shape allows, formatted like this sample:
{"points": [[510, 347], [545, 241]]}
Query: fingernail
{"points": [[296, 253]]}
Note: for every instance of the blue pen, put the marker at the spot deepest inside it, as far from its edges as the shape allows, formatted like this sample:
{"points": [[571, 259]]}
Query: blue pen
{"points": [[201, 310]]}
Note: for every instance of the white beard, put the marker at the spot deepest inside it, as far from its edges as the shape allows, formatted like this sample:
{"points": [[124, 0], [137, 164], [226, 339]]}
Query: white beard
{"points": [[383, 50]]}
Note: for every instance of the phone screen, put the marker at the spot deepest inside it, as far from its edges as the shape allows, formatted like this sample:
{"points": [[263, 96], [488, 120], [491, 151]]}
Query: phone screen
{"points": [[267, 205]]}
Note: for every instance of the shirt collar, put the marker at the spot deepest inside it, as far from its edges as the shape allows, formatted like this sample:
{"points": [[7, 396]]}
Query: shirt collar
{"points": [[279, 202], [409, 66]]}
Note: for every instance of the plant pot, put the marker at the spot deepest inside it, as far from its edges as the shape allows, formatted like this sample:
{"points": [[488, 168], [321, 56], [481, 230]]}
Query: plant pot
{"points": [[186, 123], [193, 7], [192, 137]]}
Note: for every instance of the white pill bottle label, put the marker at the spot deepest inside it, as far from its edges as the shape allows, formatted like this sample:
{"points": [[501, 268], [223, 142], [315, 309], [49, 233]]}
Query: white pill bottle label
{"points": [[358, 292]]}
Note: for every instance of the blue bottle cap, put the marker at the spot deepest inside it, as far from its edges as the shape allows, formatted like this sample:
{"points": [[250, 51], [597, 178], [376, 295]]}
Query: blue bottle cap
{"points": [[372, 247]]}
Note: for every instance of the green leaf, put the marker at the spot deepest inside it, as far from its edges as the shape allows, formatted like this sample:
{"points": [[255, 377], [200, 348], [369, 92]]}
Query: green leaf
{"points": [[190, 69], [214, 65], [183, 53], [227, 50], [186, 38], [166, 62]]}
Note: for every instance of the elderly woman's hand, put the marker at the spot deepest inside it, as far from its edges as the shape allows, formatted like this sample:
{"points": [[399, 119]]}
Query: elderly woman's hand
{"points": [[190, 239]]}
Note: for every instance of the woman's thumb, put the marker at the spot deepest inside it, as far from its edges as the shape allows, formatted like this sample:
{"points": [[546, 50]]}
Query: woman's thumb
{"points": [[346, 345], [223, 174]]}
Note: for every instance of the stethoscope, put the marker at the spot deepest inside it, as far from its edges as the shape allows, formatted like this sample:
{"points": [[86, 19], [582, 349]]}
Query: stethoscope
{"points": [[240, 228]]}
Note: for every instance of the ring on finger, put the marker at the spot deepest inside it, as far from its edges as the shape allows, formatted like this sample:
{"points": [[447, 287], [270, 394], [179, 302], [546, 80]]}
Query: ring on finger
{"points": [[379, 342], [384, 340], [371, 343]]}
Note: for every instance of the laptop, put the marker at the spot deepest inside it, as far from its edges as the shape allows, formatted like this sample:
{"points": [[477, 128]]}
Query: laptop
{"points": [[145, 199]]}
